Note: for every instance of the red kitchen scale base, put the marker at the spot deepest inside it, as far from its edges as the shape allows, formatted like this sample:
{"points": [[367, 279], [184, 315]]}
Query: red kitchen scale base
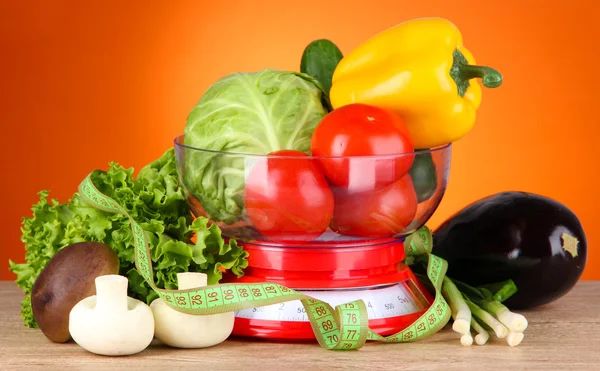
{"points": [[335, 273]]}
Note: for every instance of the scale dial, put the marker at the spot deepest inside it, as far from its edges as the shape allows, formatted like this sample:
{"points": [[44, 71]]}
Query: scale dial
{"points": [[382, 302]]}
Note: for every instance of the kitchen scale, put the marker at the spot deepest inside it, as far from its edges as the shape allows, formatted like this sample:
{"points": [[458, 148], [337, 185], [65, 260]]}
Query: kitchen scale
{"points": [[336, 273], [335, 269]]}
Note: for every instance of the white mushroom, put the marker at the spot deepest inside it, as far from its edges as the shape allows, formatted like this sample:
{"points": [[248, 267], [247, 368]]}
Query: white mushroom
{"points": [[111, 323], [183, 330]]}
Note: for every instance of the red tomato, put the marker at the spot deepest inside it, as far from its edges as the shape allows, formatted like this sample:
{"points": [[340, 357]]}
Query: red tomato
{"points": [[288, 198], [378, 214], [363, 130]]}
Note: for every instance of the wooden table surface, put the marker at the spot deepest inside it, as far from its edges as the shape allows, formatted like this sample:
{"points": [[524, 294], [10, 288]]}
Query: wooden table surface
{"points": [[564, 335]]}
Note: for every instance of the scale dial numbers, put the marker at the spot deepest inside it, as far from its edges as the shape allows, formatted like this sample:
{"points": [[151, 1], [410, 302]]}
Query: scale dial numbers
{"points": [[383, 302]]}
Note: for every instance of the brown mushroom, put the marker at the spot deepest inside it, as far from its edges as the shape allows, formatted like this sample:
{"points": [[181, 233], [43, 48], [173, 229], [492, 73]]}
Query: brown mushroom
{"points": [[68, 278]]}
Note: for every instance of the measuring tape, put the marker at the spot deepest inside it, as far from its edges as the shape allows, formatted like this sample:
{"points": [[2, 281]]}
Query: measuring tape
{"points": [[342, 328]]}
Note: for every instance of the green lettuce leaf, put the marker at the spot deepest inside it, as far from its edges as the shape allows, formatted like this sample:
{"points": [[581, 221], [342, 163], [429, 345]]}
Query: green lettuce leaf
{"points": [[157, 202]]}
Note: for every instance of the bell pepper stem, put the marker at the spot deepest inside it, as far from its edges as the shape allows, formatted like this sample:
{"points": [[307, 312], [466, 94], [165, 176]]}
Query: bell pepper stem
{"points": [[489, 76], [462, 72]]}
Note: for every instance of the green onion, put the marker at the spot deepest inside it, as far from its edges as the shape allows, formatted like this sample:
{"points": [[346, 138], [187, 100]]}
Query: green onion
{"points": [[480, 309], [514, 321], [466, 340], [482, 335], [499, 329], [514, 338], [460, 311]]}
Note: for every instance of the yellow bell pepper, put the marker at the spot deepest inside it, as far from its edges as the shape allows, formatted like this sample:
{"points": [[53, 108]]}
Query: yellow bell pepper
{"points": [[420, 70]]}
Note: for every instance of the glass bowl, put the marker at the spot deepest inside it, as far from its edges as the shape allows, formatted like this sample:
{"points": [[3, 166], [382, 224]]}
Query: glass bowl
{"points": [[294, 198]]}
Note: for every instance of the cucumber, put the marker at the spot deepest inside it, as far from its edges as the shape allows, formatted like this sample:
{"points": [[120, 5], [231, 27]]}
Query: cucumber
{"points": [[319, 60], [423, 176]]}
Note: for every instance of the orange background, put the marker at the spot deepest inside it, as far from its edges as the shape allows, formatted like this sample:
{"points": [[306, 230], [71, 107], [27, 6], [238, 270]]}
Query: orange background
{"points": [[88, 82]]}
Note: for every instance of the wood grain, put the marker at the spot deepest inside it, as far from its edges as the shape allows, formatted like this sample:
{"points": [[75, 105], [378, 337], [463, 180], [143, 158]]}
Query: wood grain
{"points": [[564, 335]]}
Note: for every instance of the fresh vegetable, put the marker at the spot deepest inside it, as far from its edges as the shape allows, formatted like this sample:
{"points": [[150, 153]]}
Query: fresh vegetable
{"points": [[67, 279], [183, 330], [363, 130], [251, 113], [531, 239], [513, 321], [110, 323], [423, 174], [382, 213], [421, 70], [488, 308], [480, 310], [499, 329], [319, 60], [482, 335], [490, 298], [157, 202], [459, 308], [514, 338], [288, 198]]}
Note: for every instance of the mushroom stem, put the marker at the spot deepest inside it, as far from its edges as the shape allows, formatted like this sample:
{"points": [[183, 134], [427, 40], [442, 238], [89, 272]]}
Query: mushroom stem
{"points": [[111, 293], [190, 280], [182, 330]]}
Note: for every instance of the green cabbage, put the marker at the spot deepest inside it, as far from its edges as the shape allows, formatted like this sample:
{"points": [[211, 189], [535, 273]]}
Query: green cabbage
{"points": [[246, 113], [156, 201]]}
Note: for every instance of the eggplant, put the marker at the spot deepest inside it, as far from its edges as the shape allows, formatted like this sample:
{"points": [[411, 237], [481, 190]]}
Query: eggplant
{"points": [[536, 241]]}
